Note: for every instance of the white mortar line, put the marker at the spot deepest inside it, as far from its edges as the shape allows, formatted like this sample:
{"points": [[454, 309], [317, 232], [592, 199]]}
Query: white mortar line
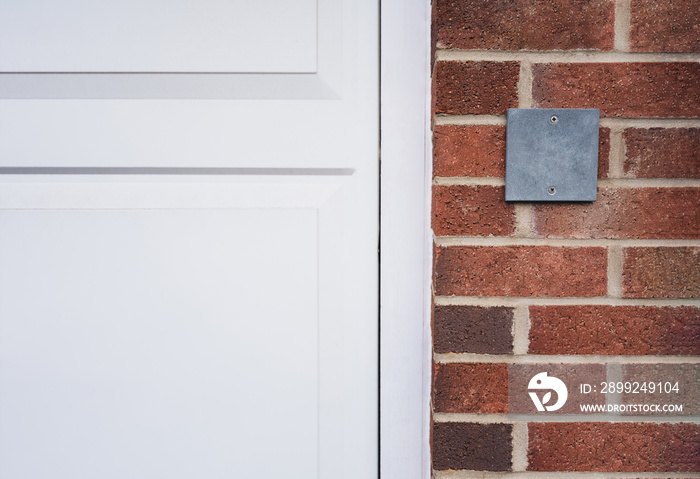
{"points": [[613, 373], [470, 119], [525, 85], [467, 417], [560, 242], [622, 25], [521, 329], [606, 122], [647, 182], [650, 122], [540, 301], [520, 445], [615, 267], [560, 475], [568, 56], [561, 358], [602, 183], [617, 153], [443, 417], [524, 226], [474, 181]]}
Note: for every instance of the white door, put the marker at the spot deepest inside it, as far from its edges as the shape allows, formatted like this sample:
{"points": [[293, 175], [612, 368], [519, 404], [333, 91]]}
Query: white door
{"points": [[188, 239]]}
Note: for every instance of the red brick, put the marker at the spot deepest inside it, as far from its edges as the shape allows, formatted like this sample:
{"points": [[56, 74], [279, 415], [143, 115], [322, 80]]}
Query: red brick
{"points": [[524, 24], [475, 151], [472, 446], [475, 87], [480, 151], [620, 89], [520, 271], [613, 447], [662, 272], [662, 152], [614, 330], [471, 388], [472, 210], [473, 329], [624, 213], [603, 152], [664, 26]]}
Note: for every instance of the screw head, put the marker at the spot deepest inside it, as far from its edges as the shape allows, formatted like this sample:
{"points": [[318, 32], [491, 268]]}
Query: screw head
{"points": [[551, 190], [554, 119]]}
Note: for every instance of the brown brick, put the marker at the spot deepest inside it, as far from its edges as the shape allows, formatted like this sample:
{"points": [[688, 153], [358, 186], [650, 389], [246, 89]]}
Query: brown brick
{"points": [[662, 272], [475, 87], [520, 376], [471, 388], [665, 26], [624, 213], [613, 447], [620, 89], [472, 210], [480, 151], [524, 24], [614, 330], [433, 34], [476, 151], [471, 446], [473, 329], [603, 152], [662, 152], [520, 271], [680, 380]]}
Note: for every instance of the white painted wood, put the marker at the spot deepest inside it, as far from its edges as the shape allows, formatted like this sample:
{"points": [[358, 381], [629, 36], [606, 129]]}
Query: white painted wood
{"points": [[171, 133], [324, 80], [405, 368], [247, 271], [294, 176], [158, 36], [37, 191], [126, 133]]}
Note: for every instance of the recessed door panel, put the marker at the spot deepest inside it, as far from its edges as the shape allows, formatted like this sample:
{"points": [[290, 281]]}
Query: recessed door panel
{"points": [[159, 343], [158, 36]]}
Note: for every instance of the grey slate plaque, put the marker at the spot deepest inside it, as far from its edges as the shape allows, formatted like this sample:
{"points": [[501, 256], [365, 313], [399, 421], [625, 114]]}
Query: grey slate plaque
{"points": [[552, 154]]}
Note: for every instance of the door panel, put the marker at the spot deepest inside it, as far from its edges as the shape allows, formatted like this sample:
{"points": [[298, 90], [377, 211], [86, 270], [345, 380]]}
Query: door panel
{"points": [[185, 326], [271, 49], [188, 287]]}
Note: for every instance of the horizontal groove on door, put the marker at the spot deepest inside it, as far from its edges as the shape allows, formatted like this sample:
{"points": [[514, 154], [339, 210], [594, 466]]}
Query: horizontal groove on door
{"points": [[40, 170], [322, 84]]}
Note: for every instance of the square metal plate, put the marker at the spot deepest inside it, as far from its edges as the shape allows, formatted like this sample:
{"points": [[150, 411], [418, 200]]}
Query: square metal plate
{"points": [[552, 154]]}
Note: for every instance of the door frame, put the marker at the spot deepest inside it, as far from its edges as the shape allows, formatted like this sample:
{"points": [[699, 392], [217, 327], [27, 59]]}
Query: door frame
{"points": [[405, 253]]}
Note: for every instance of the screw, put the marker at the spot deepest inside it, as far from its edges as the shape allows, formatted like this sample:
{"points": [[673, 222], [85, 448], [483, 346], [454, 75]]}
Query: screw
{"points": [[551, 190], [554, 119]]}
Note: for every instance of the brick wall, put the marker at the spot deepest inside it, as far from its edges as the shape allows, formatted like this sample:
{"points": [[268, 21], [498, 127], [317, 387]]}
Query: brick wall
{"points": [[616, 280]]}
